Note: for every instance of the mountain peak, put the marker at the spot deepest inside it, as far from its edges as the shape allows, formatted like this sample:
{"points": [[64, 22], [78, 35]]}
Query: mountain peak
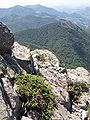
{"points": [[17, 6], [68, 24]]}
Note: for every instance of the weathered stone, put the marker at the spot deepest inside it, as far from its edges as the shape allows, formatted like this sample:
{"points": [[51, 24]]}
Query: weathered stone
{"points": [[12, 63], [79, 75], [6, 39], [20, 52], [23, 57], [8, 96], [46, 57]]}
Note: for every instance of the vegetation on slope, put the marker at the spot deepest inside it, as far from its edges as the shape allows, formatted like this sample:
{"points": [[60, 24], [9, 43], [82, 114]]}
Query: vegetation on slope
{"points": [[75, 90], [29, 21], [36, 95], [66, 40]]}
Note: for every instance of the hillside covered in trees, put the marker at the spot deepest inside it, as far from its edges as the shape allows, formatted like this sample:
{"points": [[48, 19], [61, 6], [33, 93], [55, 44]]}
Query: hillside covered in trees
{"points": [[65, 39]]}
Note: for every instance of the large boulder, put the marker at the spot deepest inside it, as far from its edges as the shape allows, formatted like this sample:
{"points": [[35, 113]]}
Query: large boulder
{"points": [[6, 39], [20, 52], [23, 57], [45, 57]]}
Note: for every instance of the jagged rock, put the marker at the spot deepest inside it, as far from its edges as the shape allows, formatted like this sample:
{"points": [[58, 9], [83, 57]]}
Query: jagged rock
{"points": [[23, 57], [46, 57], [6, 39], [20, 52], [79, 75], [48, 68], [8, 96], [12, 63], [10, 73]]}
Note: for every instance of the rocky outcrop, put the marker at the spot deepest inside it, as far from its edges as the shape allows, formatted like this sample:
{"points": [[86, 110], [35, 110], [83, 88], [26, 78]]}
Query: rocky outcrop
{"points": [[20, 52], [57, 78], [79, 74], [50, 70], [23, 57], [46, 57], [6, 39], [69, 24], [9, 107]]}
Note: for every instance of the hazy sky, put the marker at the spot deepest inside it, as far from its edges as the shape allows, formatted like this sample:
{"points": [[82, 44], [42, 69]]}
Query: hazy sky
{"points": [[9, 3]]}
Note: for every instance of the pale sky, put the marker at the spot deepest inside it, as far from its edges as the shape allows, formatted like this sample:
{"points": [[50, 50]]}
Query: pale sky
{"points": [[50, 3]]}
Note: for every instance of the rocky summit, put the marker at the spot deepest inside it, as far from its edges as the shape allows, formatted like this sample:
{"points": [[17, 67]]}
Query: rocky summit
{"points": [[70, 86]]}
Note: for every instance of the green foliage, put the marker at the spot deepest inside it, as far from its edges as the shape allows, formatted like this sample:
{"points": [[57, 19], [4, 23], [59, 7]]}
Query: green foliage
{"points": [[35, 94], [72, 46], [75, 89]]}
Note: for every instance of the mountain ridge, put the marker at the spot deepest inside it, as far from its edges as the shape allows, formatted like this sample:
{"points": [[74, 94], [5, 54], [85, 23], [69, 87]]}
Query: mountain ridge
{"points": [[11, 16]]}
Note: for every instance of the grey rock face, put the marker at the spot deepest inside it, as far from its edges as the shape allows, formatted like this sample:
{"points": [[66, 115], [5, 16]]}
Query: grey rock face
{"points": [[6, 38], [9, 107], [23, 57]]}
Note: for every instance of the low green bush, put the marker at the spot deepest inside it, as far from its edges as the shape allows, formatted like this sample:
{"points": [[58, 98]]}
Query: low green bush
{"points": [[36, 95], [75, 89]]}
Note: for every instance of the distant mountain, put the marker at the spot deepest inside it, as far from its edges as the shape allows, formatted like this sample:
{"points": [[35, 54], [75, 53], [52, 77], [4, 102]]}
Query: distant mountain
{"points": [[29, 21], [83, 15], [85, 11], [68, 41], [19, 11], [31, 16], [18, 17], [44, 10]]}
